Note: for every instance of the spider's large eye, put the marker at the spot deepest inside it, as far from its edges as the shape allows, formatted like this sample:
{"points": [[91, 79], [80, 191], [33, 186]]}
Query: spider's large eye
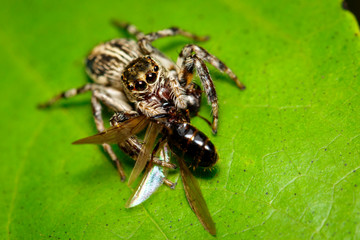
{"points": [[151, 77], [140, 85], [130, 87]]}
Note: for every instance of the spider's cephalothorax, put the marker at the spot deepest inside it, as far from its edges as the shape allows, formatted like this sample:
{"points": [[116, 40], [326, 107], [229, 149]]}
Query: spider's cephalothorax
{"points": [[140, 78], [135, 78]]}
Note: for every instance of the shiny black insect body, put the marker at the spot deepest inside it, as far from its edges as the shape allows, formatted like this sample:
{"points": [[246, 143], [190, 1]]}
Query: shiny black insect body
{"points": [[187, 141]]}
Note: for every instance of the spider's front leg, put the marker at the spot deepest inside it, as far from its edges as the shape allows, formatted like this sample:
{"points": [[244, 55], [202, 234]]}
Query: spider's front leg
{"points": [[188, 61], [185, 78], [69, 94], [203, 55], [99, 122], [115, 100]]}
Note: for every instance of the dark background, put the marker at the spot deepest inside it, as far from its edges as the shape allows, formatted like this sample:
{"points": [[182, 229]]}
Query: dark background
{"points": [[354, 7]]}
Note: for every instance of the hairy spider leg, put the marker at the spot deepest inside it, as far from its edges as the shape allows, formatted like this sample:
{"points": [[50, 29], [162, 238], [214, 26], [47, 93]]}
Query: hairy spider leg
{"points": [[98, 94], [67, 94], [145, 41], [188, 61], [204, 55], [99, 122], [132, 29]]}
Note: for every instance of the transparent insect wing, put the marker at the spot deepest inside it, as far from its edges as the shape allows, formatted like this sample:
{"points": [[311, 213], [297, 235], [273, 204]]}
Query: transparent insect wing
{"points": [[151, 134], [152, 180], [195, 198], [117, 133]]}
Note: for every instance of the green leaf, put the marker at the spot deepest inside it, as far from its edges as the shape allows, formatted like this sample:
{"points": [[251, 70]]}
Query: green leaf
{"points": [[288, 145]]}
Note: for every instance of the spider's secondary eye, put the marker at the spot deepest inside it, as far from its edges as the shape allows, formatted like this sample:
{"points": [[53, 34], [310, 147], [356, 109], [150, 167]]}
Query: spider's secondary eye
{"points": [[156, 68], [151, 77], [130, 87], [140, 85]]}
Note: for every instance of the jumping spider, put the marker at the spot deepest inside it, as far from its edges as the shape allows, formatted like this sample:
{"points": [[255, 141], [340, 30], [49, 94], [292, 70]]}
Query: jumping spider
{"points": [[133, 77]]}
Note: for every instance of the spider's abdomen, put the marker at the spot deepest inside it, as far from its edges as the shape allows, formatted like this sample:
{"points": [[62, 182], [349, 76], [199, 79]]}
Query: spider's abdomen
{"points": [[107, 61], [197, 149]]}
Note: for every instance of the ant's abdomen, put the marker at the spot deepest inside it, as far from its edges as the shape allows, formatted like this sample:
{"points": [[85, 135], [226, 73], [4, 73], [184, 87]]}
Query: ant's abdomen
{"points": [[196, 148]]}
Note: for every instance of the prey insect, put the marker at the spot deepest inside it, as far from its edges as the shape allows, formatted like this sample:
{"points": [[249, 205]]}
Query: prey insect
{"points": [[146, 88], [191, 147]]}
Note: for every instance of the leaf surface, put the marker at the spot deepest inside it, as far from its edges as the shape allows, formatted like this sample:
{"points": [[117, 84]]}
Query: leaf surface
{"points": [[288, 145]]}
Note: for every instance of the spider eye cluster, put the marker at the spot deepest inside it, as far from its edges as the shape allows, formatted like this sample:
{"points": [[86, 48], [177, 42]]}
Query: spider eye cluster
{"points": [[140, 73]]}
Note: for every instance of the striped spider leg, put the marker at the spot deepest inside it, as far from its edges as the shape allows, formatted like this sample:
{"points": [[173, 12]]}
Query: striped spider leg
{"points": [[188, 61], [111, 98]]}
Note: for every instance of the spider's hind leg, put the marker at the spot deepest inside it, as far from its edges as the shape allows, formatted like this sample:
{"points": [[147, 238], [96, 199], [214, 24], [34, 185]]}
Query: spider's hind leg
{"points": [[145, 41], [132, 29]]}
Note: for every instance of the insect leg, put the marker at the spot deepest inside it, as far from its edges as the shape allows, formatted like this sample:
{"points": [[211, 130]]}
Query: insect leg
{"points": [[145, 41], [204, 55], [156, 160], [99, 122], [133, 145], [165, 153], [129, 28], [169, 183], [68, 94]]}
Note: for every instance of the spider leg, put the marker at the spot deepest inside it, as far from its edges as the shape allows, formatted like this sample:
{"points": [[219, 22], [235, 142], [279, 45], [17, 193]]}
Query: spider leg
{"points": [[114, 100], [68, 94], [132, 29], [185, 78], [99, 122], [209, 88], [145, 41], [188, 61], [204, 55]]}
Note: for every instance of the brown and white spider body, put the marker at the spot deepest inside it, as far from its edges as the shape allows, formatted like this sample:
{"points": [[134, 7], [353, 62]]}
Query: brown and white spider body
{"points": [[133, 77]]}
